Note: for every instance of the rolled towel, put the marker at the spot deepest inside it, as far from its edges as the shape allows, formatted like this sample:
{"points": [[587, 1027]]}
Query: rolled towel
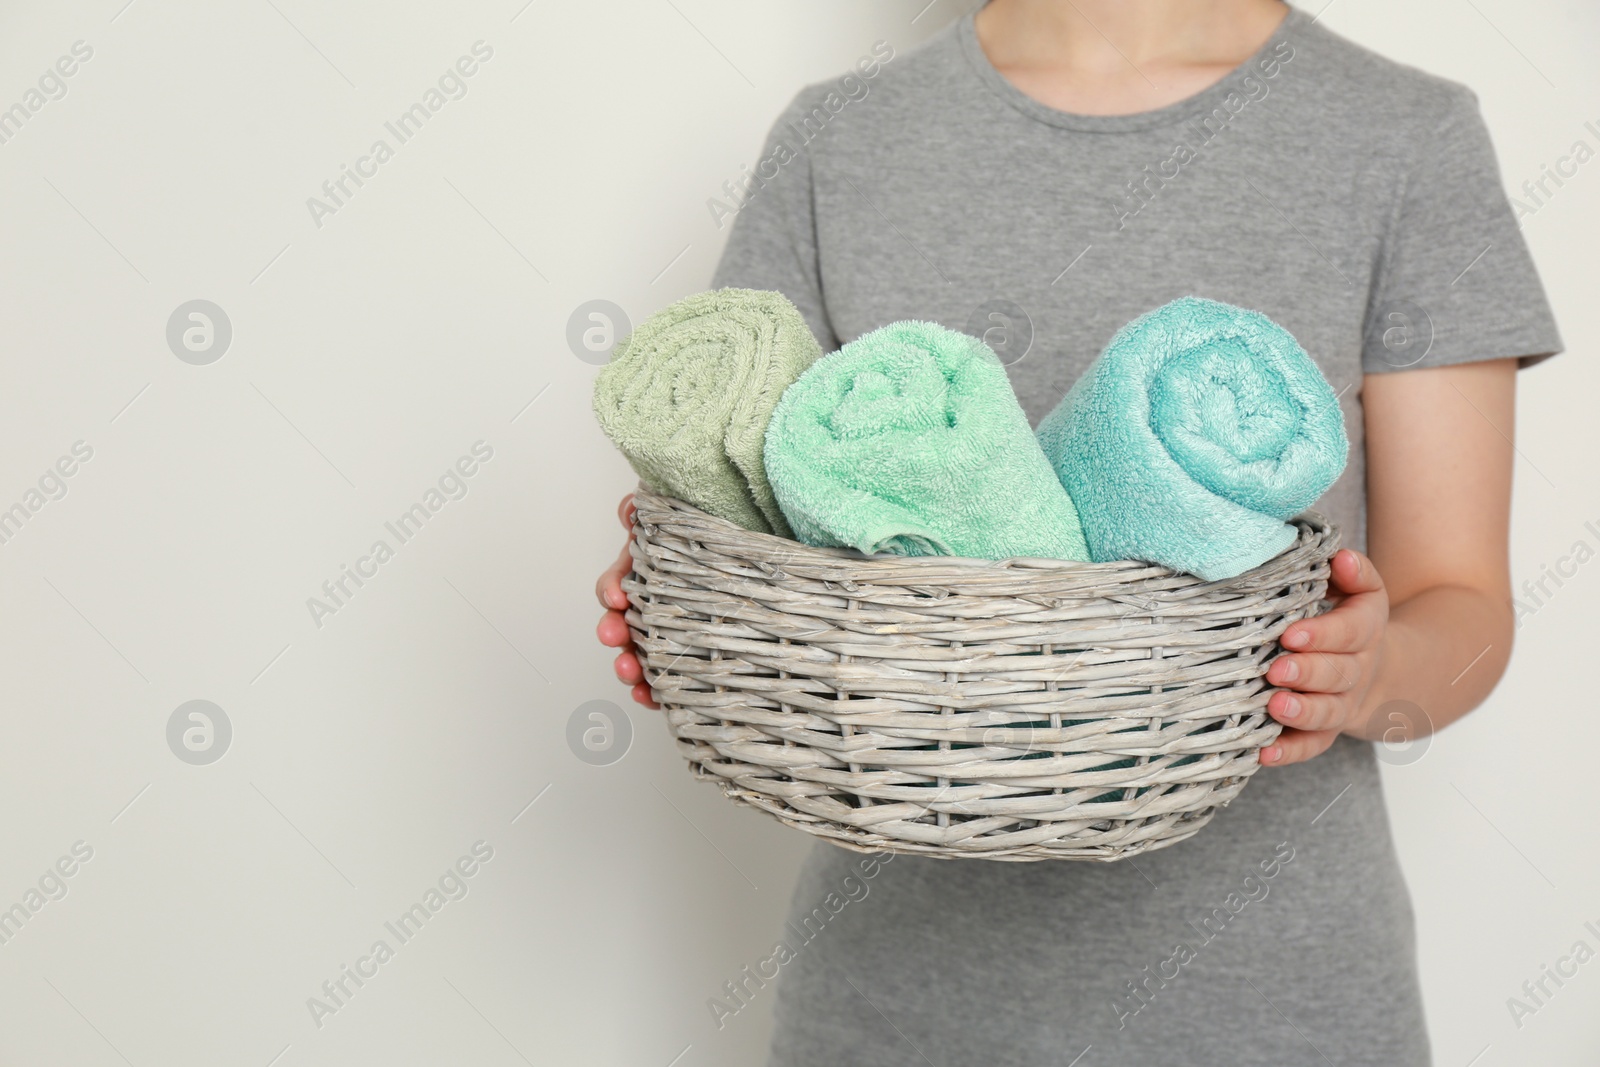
{"points": [[688, 395], [909, 440], [1198, 431]]}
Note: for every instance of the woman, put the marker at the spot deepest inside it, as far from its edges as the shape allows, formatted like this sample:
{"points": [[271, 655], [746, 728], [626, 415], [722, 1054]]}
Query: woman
{"points": [[1088, 161]]}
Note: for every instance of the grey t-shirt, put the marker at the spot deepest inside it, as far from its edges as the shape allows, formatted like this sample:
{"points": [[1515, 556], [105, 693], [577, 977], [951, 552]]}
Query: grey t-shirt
{"points": [[1355, 201]]}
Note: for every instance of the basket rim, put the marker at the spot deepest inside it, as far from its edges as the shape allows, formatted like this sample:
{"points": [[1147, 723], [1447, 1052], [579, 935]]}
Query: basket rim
{"points": [[1312, 526]]}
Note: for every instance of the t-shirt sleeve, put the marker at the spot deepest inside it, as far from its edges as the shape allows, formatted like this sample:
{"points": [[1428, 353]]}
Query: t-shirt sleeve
{"points": [[1455, 281], [773, 240]]}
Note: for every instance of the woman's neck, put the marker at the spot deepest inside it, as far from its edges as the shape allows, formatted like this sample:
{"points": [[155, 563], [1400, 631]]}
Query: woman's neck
{"points": [[1120, 57]]}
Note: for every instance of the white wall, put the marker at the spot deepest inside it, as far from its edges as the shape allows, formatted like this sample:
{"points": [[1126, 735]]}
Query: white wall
{"points": [[371, 352]]}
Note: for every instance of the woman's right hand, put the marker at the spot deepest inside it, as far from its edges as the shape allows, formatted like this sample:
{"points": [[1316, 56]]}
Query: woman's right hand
{"points": [[613, 629]]}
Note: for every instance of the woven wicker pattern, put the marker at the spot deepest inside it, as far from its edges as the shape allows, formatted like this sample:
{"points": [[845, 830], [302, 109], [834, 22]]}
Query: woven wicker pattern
{"points": [[1018, 710]]}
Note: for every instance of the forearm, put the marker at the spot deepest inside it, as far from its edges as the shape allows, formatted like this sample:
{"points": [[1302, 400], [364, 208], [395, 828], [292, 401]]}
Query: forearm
{"points": [[1443, 650]]}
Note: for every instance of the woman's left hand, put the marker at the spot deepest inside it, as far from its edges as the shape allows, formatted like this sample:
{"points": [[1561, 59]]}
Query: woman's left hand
{"points": [[1332, 661]]}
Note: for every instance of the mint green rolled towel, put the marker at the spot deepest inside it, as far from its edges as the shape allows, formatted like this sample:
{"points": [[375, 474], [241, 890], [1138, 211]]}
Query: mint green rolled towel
{"points": [[688, 395], [1198, 431], [909, 440]]}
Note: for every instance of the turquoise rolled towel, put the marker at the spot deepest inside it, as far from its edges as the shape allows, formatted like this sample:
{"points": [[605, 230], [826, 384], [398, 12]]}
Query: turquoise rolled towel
{"points": [[910, 440], [1199, 430], [688, 395]]}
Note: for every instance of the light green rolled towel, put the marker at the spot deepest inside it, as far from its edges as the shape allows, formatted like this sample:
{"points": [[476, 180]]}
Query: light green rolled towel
{"points": [[687, 397], [910, 440]]}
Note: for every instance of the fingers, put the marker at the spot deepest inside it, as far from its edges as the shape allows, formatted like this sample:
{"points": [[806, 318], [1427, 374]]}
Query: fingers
{"points": [[1353, 625], [629, 670], [1327, 660], [613, 632], [1297, 746], [1353, 573], [1315, 672], [1308, 711], [608, 587]]}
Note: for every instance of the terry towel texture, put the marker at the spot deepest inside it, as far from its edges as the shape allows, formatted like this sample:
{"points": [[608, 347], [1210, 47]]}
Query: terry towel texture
{"points": [[910, 440], [1198, 431], [688, 395]]}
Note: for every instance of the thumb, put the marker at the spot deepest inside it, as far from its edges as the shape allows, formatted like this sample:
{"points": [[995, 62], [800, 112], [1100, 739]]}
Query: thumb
{"points": [[1354, 573]]}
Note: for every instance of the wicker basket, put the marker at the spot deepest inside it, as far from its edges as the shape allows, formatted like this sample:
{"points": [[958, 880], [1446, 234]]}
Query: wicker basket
{"points": [[1019, 710]]}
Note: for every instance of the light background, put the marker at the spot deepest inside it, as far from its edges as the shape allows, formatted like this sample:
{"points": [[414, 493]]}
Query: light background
{"points": [[367, 355]]}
